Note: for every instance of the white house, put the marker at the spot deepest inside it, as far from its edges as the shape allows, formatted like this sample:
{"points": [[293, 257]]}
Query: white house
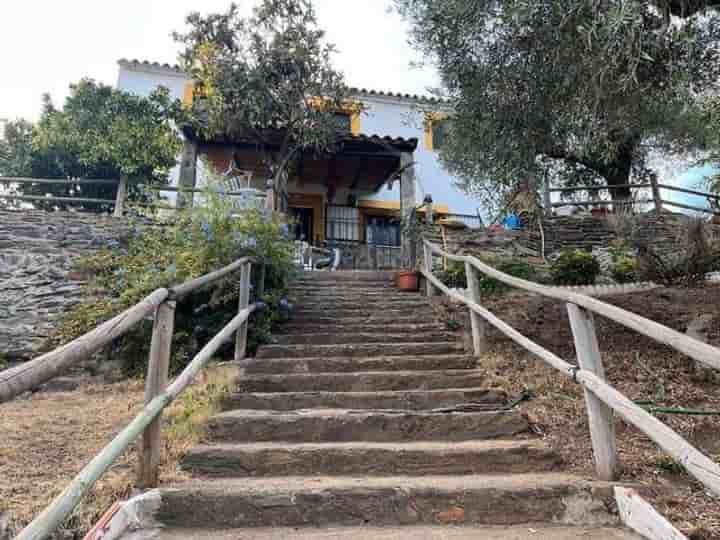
{"points": [[352, 196]]}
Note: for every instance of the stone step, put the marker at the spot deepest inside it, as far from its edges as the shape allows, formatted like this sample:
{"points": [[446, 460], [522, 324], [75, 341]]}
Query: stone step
{"points": [[347, 275], [342, 364], [367, 310], [338, 425], [385, 501], [368, 381], [422, 317], [339, 338], [373, 459], [361, 304], [299, 327], [412, 400], [536, 531], [360, 349], [314, 291]]}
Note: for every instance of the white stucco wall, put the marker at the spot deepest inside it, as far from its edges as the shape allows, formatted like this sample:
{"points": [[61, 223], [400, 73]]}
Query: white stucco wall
{"points": [[385, 116], [403, 118]]}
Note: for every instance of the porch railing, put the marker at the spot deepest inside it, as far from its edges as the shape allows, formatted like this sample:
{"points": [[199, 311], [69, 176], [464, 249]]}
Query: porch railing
{"points": [[158, 395], [601, 398], [243, 198]]}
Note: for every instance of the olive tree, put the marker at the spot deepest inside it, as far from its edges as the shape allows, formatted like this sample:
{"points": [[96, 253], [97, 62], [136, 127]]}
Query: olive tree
{"points": [[267, 78], [581, 88]]}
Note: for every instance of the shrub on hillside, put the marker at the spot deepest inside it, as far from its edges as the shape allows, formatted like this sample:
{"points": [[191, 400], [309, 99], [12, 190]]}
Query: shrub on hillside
{"points": [[193, 243], [684, 267], [623, 264], [575, 267], [454, 276]]}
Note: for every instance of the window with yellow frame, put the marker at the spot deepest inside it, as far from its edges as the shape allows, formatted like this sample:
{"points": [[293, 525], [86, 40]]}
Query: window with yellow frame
{"points": [[435, 130], [347, 116]]}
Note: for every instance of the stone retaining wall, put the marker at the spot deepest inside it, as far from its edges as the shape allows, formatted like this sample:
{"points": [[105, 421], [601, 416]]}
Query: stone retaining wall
{"points": [[38, 253], [665, 232]]}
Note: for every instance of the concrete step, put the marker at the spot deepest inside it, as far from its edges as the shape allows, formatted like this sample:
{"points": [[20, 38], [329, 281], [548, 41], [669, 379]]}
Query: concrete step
{"points": [[339, 338], [421, 317], [372, 459], [360, 349], [536, 531], [385, 501], [413, 400], [338, 425], [368, 381], [299, 327], [343, 364]]}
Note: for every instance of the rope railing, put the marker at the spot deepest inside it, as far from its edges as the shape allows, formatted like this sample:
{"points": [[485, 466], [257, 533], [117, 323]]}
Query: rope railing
{"points": [[602, 399], [158, 395]]}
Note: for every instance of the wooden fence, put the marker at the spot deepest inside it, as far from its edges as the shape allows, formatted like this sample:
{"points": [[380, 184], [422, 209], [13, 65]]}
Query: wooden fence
{"points": [[601, 398], [655, 197], [120, 202], [158, 395]]}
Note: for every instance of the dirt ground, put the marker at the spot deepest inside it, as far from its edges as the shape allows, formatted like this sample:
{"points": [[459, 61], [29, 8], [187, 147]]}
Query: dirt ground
{"points": [[641, 369], [47, 438]]}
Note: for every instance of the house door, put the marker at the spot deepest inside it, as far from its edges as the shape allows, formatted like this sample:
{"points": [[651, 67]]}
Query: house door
{"points": [[303, 223]]}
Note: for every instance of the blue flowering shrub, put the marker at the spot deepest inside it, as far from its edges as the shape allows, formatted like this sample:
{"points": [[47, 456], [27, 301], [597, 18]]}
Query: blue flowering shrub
{"points": [[190, 244]]}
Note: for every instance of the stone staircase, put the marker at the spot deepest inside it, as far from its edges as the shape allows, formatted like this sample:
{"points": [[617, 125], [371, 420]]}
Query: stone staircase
{"points": [[348, 427]]}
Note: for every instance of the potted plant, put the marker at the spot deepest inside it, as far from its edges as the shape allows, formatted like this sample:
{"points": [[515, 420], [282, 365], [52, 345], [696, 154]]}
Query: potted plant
{"points": [[407, 279]]}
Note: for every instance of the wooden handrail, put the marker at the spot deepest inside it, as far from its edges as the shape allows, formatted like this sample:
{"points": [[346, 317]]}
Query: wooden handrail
{"points": [[599, 394], [697, 350], [31, 374], [598, 188], [63, 505], [691, 191]]}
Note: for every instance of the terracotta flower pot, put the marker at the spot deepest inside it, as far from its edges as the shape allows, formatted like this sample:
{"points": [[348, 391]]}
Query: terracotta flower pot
{"points": [[407, 280]]}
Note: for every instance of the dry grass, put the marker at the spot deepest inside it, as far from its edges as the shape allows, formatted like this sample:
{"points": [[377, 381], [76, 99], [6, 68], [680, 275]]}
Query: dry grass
{"points": [[641, 370], [48, 438]]}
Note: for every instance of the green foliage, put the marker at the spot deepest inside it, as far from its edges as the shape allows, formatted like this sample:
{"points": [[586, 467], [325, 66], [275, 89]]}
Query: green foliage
{"points": [[576, 89], [624, 266], [193, 243], [684, 267], [455, 277], [575, 267], [100, 133], [513, 267], [266, 78]]}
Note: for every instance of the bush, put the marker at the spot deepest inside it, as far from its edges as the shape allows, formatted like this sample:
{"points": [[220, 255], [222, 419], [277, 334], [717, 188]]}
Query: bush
{"points": [[684, 267], [455, 277], [575, 267], [623, 265], [513, 267], [196, 241]]}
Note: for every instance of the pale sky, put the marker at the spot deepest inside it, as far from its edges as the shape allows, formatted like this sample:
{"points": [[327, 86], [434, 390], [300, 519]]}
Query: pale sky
{"points": [[46, 45]]}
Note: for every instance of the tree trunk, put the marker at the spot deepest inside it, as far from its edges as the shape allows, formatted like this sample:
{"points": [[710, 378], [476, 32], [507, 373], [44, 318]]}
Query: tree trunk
{"points": [[617, 173]]}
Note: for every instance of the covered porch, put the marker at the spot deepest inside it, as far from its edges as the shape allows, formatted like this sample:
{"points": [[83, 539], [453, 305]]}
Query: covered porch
{"points": [[352, 199]]}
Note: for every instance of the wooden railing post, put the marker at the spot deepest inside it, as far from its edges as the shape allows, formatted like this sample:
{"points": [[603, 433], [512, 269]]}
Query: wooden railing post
{"points": [[260, 289], [155, 384], [477, 322], [244, 301], [600, 416], [428, 258], [120, 197], [657, 199]]}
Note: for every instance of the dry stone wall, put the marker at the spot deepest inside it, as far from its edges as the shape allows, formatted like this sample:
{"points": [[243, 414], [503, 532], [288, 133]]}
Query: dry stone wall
{"points": [[38, 282]]}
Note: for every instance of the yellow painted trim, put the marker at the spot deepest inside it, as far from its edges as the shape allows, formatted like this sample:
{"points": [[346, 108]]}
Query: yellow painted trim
{"points": [[188, 94], [350, 107], [317, 203], [430, 119], [438, 208]]}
